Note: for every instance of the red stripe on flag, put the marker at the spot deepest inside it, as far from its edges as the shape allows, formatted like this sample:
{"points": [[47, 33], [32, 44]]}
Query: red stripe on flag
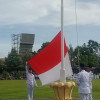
{"points": [[49, 57]]}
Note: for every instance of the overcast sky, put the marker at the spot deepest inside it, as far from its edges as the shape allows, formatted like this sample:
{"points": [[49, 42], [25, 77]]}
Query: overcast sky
{"points": [[43, 18]]}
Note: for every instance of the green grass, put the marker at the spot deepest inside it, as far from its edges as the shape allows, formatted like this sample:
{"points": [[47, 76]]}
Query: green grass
{"points": [[96, 88], [12, 89], [16, 89]]}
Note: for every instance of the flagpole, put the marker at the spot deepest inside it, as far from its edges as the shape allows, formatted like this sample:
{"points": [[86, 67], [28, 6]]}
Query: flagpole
{"points": [[62, 71]]}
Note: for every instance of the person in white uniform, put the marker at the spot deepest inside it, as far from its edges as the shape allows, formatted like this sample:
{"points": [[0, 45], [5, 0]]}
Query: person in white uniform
{"points": [[82, 81], [30, 82], [90, 83]]}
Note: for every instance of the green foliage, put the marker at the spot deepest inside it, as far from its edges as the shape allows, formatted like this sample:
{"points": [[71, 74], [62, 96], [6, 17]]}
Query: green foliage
{"points": [[43, 46], [2, 66], [26, 57], [13, 61], [71, 55], [89, 54], [5, 75], [19, 75]]}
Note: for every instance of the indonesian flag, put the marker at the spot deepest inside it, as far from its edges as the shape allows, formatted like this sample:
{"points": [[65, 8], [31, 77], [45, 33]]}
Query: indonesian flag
{"points": [[47, 63]]}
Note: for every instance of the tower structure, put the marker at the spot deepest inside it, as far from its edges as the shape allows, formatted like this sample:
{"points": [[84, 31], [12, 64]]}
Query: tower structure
{"points": [[23, 43], [15, 41], [26, 43]]}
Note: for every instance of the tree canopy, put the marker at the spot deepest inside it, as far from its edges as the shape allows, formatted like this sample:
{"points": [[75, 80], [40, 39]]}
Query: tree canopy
{"points": [[89, 54], [13, 61]]}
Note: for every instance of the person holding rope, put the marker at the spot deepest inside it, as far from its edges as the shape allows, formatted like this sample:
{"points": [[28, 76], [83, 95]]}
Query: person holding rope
{"points": [[30, 82]]}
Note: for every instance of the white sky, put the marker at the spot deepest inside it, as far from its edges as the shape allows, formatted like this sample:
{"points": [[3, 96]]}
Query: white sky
{"points": [[43, 18]]}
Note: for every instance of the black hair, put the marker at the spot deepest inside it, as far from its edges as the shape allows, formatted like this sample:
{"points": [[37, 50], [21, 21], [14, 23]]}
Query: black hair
{"points": [[89, 66], [30, 68], [82, 66]]}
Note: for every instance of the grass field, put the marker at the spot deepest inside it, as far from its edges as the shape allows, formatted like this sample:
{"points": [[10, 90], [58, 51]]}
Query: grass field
{"points": [[17, 89]]}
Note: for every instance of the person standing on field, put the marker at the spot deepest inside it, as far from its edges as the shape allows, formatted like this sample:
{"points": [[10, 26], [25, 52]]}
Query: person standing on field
{"points": [[82, 81], [30, 82]]}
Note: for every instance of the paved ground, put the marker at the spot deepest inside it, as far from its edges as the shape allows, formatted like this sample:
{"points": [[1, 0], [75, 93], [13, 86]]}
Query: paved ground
{"points": [[39, 99], [34, 99], [43, 99]]}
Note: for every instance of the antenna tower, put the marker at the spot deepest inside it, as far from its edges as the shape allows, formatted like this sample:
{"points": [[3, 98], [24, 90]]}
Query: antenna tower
{"points": [[15, 41]]}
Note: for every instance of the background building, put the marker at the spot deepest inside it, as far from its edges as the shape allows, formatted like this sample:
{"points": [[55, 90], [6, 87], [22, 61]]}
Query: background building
{"points": [[23, 43], [26, 43]]}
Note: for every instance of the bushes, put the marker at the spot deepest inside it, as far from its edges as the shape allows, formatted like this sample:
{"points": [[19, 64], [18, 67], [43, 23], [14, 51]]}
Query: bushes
{"points": [[19, 75], [13, 75], [5, 75]]}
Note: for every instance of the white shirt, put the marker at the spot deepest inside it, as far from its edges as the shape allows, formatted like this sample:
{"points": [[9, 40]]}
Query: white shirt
{"points": [[82, 81], [30, 78]]}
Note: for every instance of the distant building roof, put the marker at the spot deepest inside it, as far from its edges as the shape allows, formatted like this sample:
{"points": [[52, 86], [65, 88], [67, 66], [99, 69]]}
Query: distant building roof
{"points": [[2, 59]]}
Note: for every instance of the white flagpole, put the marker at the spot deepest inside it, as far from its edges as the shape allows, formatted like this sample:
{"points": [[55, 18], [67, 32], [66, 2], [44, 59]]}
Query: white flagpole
{"points": [[62, 71]]}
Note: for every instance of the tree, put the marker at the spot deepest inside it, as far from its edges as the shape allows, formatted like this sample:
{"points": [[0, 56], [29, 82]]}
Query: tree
{"points": [[13, 61], [88, 54], [26, 57], [43, 46], [71, 54], [94, 47], [2, 66]]}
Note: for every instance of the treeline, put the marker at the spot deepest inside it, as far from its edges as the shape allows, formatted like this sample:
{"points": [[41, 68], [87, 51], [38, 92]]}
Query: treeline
{"points": [[88, 53]]}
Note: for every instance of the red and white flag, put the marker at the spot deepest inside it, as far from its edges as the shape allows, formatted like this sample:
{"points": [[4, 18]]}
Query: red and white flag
{"points": [[47, 63]]}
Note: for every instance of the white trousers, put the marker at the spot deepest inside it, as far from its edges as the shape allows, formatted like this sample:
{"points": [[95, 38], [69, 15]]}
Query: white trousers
{"points": [[90, 96], [30, 91], [84, 96]]}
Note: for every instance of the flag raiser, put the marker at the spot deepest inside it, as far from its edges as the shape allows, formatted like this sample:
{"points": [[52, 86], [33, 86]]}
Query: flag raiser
{"points": [[47, 63]]}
